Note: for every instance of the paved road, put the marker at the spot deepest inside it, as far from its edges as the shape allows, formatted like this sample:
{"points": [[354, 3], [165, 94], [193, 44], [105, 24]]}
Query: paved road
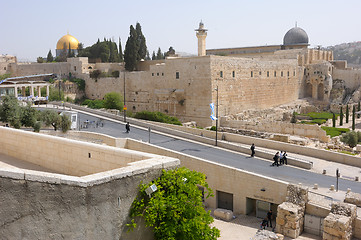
{"points": [[219, 155]]}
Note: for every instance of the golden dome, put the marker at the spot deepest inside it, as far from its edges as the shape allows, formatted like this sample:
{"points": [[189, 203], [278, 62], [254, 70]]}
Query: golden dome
{"points": [[67, 39]]}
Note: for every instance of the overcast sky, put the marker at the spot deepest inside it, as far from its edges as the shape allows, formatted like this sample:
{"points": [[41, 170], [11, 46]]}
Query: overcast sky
{"points": [[30, 28]]}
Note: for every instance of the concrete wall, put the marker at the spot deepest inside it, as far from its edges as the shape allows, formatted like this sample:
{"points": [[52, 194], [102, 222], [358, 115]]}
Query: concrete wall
{"points": [[240, 183], [64, 155]]}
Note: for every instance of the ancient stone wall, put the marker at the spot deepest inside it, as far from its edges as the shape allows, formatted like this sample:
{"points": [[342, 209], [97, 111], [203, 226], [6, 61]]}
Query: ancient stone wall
{"points": [[253, 84], [310, 131], [352, 77], [340, 222]]}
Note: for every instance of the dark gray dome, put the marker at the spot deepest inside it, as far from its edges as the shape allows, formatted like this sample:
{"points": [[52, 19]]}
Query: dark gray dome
{"points": [[294, 36]]}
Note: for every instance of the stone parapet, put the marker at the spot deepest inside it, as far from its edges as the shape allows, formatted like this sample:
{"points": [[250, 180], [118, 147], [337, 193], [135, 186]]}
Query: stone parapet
{"points": [[353, 198]]}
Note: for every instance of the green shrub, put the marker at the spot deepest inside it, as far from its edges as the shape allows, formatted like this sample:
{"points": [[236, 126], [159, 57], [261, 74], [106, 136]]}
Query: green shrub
{"points": [[157, 117], [213, 128], [318, 121], [321, 115], [37, 126], [350, 138], [115, 74], [113, 100], [95, 104], [79, 82]]}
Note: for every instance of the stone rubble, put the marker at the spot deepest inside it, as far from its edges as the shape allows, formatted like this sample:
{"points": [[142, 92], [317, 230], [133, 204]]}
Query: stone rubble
{"points": [[267, 235]]}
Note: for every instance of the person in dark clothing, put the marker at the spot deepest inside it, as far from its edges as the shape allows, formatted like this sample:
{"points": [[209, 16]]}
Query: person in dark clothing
{"points": [[285, 158], [275, 159], [269, 218], [252, 149], [127, 127], [264, 223]]}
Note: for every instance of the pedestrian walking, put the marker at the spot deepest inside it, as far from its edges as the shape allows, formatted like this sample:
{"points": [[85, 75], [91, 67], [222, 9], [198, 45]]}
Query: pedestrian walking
{"points": [[275, 159], [281, 158], [285, 158], [252, 149], [269, 218], [127, 127]]}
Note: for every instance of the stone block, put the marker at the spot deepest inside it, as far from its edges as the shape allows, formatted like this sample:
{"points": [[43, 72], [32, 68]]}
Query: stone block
{"points": [[13, 173], [223, 214], [280, 221], [353, 198]]}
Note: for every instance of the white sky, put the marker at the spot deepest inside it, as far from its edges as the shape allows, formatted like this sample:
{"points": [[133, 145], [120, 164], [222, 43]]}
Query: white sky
{"points": [[29, 28]]}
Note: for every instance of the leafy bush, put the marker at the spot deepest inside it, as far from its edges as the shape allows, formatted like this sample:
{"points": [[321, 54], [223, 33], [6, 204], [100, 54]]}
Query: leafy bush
{"points": [[95, 74], [79, 82], [115, 74], [175, 210], [157, 117], [95, 104], [350, 138], [113, 100], [335, 131], [213, 128], [37, 126], [318, 121]]}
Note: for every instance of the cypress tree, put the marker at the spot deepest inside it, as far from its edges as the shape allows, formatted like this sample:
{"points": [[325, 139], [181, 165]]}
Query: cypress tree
{"points": [[159, 54], [131, 50], [153, 56], [333, 120], [50, 57], [147, 57], [121, 58], [142, 51], [347, 113], [353, 117], [341, 116], [69, 51]]}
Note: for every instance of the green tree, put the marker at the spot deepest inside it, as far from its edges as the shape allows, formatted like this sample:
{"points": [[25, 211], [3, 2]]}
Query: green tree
{"points": [[65, 123], [175, 210], [154, 57], [159, 54], [113, 100], [147, 57], [350, 138], [353, 117], [141, 42], [341, 116], [333, 120], [50, 117], [28, 116], [40, 60], [347, 113], [294, 118], [131, 50], [50, 57], [10, 111], [55, 94], [121, 58], [80, 49]]}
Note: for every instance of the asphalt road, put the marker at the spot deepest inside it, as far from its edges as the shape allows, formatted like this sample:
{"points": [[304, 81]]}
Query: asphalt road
{"points": [[219, 155]]}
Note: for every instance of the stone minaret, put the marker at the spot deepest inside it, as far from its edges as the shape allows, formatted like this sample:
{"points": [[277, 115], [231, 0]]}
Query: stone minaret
{"points": [[201, 35]]}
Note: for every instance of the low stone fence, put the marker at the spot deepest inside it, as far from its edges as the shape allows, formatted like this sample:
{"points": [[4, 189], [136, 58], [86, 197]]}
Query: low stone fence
{"points": [[310, 131]]}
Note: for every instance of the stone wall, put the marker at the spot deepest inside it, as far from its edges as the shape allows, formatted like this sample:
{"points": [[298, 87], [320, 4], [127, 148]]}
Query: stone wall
{"points": [[310, 131], [290, 214], [352, 77], [41, 205], [340, 222]]}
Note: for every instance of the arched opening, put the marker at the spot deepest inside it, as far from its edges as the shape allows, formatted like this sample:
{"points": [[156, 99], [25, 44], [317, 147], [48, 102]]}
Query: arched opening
{"points": [[308, 90], [320, 91]]}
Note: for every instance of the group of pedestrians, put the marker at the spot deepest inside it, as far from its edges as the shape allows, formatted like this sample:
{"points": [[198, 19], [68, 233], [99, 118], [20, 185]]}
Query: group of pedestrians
{"points": [[280, 159], [267, 221]]}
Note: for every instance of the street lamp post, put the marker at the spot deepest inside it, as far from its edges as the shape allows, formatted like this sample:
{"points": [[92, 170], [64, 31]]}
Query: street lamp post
{"points": [[125, 106], [217, 116]]}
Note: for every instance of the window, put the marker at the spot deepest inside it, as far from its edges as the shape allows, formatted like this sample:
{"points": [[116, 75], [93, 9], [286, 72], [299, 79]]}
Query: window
{"points": [[267, 73], [176, 75], [288, 73], [260, 73], [74, 68], [157, 74], [275, 74], [152, 74], [294, 73], [162, 74], [304, 71], [221, 74], [281, 73], [233, 74], [251, 73]]}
